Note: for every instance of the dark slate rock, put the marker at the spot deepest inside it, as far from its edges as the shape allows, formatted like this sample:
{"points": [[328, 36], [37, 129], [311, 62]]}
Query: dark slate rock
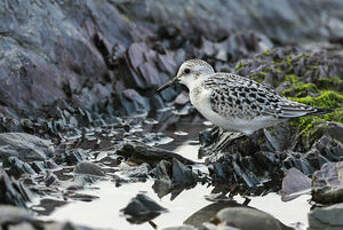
{"points": [[140, 152], [13, 192], [330, 218], [327, 184], [141, 209], [25, 147], [17, 167], [133, 102], [89, 169], [294, 184]]}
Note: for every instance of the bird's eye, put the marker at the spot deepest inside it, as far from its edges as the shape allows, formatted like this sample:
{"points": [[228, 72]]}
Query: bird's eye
{"points": [[187, 71]]}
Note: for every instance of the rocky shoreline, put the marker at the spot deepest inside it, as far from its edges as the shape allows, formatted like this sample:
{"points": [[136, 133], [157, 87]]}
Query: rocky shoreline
{"points": [[77, 107]]}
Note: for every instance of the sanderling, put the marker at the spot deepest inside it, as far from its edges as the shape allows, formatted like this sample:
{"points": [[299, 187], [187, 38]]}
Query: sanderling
{"points": [[236, 103]]}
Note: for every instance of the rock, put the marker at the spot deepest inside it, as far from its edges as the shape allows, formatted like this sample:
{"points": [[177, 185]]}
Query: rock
{"points": [[294, 184], [328, 218], [13, 192], [327, 184], [88, 168], [17, 167], [174, 178], [183, 227], [133, 102], [140, 152], [136, 173], [208, 212], [72, 157], [24, 146], [14, 215], [247, 219], [141, 209]]}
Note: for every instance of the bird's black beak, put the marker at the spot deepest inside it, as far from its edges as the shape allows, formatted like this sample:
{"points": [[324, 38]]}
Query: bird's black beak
{"points": [[168, 84]]}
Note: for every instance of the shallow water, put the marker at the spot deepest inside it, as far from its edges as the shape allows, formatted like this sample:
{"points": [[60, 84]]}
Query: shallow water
{"points": [[104, 212]]}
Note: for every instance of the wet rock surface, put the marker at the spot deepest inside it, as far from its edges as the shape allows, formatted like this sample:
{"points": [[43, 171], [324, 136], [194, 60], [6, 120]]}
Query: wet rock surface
{"points": [[142, 209], [237, 216], [326, 218]]}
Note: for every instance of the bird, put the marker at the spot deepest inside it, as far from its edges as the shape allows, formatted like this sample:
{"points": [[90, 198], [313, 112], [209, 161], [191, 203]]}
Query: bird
{"points": [[236, 103]]}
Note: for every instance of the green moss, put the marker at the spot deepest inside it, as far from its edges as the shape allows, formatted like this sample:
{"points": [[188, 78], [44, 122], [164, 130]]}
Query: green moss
{"points": [[259, 77], [239, 66], [300, 90], [327, 99], [333, 83], [267, 52], [292, 78]]}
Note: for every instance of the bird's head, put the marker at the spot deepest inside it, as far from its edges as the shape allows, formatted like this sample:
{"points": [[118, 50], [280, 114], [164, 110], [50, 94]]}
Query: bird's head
{"points": [[189, 72]]}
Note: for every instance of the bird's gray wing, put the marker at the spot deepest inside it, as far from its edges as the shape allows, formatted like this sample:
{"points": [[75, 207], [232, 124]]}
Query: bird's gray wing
{"points": [[235, 96]]}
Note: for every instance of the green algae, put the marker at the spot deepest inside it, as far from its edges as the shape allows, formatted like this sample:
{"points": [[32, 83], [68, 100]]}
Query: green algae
{"points": [[333, 83], [312, 127]]}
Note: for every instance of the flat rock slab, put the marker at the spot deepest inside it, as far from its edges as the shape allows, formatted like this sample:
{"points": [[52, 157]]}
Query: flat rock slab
{"points": [[25, 147]]}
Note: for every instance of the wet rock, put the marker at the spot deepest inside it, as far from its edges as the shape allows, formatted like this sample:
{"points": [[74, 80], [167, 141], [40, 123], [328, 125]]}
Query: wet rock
{"points": [[13, 216], [173, 177], [330, 218], [294, 184], [24, 146], [17, 167], [13, 192], [140, 152], [136, 173], [72, 157], [141, 209], [327, 184], [247, 219], [133, 102], [183, 227], [89, 169], [208, 212]]}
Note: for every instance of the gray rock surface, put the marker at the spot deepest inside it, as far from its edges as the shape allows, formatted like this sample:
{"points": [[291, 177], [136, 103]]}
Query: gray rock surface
{"points": [[327, 184], [327, 218], [24, 146], [53, 50], [247, 219], [294, 184], [89, 169]]}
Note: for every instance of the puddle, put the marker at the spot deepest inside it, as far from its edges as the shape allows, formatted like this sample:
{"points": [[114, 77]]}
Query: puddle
{"points": [[105, 211]]}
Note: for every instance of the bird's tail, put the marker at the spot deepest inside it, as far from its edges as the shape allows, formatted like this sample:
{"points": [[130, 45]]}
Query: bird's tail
{"points": [[320, 111]]}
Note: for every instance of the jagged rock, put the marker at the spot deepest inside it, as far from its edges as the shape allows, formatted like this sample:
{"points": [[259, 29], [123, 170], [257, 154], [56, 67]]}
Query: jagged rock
{"points": [[13, 192], [294, 184], [173, 177], [24, 146], [327, 184], [143, 153], [141, 209], [87, 168], [18, 167]]}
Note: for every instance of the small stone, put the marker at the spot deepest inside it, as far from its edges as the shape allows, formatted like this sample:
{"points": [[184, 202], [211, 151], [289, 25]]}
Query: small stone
{"points": [[89, 169]]}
